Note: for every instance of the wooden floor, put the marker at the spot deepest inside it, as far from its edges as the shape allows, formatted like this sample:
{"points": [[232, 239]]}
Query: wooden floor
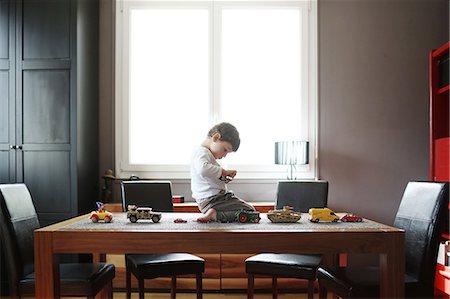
{"points": [[180, 295], [120, 295]]}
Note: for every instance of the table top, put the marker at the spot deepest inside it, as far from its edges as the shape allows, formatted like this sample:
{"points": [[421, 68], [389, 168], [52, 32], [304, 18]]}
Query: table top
{"points": [[120, 223]]}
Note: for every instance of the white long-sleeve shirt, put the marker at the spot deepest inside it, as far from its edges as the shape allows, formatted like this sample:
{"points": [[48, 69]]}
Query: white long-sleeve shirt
{"points": [[205, 175]]}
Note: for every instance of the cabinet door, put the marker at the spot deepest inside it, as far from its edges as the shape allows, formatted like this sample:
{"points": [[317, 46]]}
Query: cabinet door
{"points": [[45, 101], [7, 112]]}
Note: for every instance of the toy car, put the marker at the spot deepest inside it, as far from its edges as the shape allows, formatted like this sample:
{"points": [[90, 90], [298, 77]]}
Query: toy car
{"points": [[351, 218], [287, 214], [179, 220], [322, 214], [134, 213], [103, 215], [100, 214], [247, 216]]}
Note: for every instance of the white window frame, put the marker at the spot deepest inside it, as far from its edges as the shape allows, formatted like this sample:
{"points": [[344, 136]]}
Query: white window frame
{"points": [[125, 169]]}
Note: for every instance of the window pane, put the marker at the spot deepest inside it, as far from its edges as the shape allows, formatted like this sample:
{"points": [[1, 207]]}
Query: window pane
{"points": [[169, 84], [261, 79]]}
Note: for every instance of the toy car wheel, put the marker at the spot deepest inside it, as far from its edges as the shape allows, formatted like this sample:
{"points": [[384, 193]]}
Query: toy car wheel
{"points": [[335, 220], [94, 219], [242, 218], [133, 219], [155, 218], [359, 220], [344, 220], [107, 219], [315, 220], [256, 220]]}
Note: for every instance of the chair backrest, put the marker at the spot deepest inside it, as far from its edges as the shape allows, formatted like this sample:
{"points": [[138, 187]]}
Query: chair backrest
{"points": [[18, 220], [421, 214], [302, 195], [154, 194]]}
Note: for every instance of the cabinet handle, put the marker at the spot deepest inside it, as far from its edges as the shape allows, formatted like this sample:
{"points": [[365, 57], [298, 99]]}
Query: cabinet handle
{"points": [[19, 147], [13, 147]]}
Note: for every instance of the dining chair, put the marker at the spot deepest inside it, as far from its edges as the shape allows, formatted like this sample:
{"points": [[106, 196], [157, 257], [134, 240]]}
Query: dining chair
{"points": [[18, 220], [158, 196], [301, 195], [421, 213]]}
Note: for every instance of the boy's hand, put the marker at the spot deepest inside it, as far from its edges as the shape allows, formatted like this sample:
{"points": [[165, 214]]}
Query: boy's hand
{"points": [[228, 175]]}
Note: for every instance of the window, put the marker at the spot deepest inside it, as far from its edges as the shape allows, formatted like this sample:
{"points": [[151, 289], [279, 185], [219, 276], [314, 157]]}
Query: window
{"points": [[182, 67]]}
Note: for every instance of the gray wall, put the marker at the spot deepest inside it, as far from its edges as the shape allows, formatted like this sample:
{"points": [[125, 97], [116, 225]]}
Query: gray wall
{"points": [[373, 101]]}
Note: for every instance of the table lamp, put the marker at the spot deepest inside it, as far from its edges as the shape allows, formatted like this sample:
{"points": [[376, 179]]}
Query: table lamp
{"points": [[292, 153]]}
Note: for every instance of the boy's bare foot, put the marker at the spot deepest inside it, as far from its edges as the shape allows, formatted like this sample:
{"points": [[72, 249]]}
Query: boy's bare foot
{"points": [[210, 215]]}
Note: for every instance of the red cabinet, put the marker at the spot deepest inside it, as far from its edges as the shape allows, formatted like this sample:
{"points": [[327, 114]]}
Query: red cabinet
{"points": [[440, 142]]}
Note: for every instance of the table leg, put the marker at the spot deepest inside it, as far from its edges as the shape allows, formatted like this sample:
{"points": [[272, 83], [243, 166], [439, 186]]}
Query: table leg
{"points": [[392, 269], [46, 266]]}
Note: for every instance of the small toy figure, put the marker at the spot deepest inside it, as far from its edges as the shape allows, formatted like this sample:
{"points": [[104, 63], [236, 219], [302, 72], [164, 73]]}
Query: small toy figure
{"points": [[322, 214], [287, 214], [134, 213], [351, 218], [100, 214], [179, 220], [107, 189], [247, 216]]}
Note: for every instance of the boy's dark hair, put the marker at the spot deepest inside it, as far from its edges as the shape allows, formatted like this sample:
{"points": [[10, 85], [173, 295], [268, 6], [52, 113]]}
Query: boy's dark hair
{"points": [[228, 133]]}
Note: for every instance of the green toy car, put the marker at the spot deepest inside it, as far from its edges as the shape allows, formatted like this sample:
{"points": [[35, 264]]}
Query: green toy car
{"points": [[247, 216]]}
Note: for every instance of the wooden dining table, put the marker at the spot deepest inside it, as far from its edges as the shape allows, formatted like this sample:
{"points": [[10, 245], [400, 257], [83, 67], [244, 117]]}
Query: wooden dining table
{"points": [[81, 235]]}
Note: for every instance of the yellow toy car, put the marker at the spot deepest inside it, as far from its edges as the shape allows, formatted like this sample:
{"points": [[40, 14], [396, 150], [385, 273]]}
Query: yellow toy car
{"points": [[104, 215], [100, 214], [322, 214]]}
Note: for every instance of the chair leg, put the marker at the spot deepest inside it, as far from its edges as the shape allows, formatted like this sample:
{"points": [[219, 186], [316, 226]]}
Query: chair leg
{"points": [[274, 287], [310, 289], [128, 283], [173, 288], [322, 292], [141, 288], [106, 292], [250, 285], [199, 286]]}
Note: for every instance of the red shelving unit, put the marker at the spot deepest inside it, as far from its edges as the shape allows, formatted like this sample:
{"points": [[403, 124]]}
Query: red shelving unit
{"points": [[440, 143]]}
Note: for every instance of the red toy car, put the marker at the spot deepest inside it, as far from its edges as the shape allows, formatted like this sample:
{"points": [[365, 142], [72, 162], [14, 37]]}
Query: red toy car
{"points": [[179, 220], [351, 218]]}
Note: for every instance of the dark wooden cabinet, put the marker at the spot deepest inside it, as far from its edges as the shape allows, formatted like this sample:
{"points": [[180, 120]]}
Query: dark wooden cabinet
{"points": [[49, 103]]}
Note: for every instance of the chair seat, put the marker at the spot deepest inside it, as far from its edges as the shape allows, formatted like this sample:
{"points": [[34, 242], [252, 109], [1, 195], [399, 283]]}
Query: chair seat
{"points": [[355, 282], [81, 279], [284, 265], [157, 265]]}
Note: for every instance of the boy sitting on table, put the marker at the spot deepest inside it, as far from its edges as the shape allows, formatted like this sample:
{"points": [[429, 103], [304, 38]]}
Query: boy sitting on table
{"points": [[209, 179]]}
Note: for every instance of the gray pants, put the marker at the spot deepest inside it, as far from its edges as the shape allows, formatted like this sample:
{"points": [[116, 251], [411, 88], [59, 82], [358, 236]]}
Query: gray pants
{"points": [[226, 206]]}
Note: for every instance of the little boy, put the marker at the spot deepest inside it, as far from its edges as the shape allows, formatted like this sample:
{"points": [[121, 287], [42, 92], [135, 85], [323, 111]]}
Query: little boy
{"points": [[208, 178]]}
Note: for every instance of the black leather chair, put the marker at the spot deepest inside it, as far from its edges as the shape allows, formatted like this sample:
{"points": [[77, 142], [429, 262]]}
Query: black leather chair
{"points": [[421, 214], [158, 196], [301, 195], [18, 220]]}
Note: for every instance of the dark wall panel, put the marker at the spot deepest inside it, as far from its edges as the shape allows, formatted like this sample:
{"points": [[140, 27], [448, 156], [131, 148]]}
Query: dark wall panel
{"points": [[4, 107], [46, 106], [46, 37], [47, 175], [4, 170], [4, 29]]}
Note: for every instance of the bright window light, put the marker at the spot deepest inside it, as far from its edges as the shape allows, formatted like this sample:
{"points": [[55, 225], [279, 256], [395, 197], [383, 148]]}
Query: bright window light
{"points": [[169, 84], [184, 66], [260, 79]]}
